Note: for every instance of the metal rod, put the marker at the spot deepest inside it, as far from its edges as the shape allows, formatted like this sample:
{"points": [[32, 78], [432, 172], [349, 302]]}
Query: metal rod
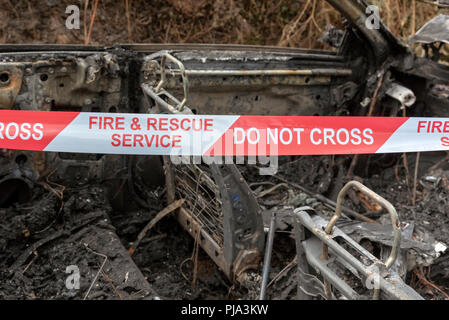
{"points": [[415, 177], [309, 72], [267, 258], [226, 49]]}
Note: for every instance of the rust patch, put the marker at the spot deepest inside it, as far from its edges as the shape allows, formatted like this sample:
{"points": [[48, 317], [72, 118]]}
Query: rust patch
{"points": [[10, 84]]}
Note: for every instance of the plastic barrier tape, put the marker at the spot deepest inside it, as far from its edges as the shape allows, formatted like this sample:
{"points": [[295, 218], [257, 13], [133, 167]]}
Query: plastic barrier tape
{"points": [[189, 135]]}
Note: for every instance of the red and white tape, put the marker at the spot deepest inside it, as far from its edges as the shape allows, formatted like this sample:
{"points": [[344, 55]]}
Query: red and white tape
{"points": [[149, 134]]}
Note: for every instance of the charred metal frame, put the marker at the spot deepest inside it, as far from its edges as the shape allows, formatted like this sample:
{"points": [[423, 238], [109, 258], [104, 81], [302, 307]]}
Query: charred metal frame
{"points": [[220, 211], [364, 266], [221, 208], [391, 285]]}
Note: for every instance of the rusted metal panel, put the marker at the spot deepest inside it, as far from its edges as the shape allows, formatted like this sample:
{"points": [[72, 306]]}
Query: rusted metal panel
{"points": [[10, 84]]}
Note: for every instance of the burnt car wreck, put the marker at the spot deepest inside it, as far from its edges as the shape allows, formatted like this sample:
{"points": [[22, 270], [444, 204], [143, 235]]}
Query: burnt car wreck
{"points": [[94, 204]]}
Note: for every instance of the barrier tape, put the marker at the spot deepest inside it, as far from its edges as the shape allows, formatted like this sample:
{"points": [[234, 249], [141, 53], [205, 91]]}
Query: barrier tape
{"points": [[193, 135]]}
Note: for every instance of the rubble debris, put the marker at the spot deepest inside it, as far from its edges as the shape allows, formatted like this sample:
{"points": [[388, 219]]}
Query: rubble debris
{"points": [[332, 36], [167, 210], [418, 252], [423, 254], [40, 270]]}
